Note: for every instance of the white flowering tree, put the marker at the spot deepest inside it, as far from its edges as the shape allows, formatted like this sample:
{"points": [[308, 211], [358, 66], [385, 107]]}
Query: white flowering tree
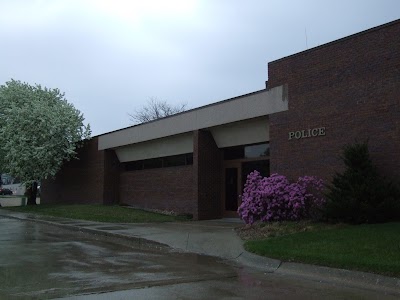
{"points": [[39, 131]]}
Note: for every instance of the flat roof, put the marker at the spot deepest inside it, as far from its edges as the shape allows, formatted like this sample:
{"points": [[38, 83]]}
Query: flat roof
{"points": [[395, 22], [189, 110], [240, 108]]}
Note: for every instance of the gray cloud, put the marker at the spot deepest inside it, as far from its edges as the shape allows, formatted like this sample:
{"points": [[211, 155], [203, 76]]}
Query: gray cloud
{"points": [[108, 64]]}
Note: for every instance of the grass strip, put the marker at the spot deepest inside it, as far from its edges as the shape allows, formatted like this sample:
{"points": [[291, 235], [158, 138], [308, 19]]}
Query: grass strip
{"points": [[369, 247], [97, 212]]}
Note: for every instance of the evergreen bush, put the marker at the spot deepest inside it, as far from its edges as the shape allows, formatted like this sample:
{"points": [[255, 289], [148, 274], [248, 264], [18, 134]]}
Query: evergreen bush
{"points": [[360, 194]]}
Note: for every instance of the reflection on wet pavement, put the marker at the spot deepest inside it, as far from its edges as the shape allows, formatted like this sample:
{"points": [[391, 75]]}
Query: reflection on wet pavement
{"points": [[40, 261]]}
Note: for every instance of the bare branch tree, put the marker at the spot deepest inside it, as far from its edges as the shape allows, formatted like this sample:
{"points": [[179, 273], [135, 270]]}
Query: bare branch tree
{"points": [[155, 109]]}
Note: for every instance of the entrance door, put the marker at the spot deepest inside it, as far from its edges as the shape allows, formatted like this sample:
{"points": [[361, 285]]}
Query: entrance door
{"points": [[232, 189], [235, 176]]}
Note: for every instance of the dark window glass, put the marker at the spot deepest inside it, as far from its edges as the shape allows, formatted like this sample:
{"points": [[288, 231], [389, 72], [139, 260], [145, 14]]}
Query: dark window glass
{"points": [[231, 189], [133, 165], [176, 160], [250, 151], [261, 166], [236, 152], [259, 150], [160, 162], [189, 159], [152, 163]]}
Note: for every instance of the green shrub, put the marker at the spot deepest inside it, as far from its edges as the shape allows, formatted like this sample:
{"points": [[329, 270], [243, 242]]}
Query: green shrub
{"points": [[360, 194]]}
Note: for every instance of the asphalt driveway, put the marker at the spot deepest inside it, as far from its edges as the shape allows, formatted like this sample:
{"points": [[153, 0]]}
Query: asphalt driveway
{"points": [[39, 261]]}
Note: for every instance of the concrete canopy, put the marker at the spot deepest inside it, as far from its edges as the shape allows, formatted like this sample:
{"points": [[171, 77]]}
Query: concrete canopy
{"points": [[257, 104]]}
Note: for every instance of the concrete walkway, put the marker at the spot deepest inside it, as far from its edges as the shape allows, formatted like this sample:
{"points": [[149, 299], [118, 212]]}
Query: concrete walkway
{"points": [[215, 238]]}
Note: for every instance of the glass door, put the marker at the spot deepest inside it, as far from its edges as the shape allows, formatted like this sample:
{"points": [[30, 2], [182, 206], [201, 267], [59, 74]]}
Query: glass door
{"points": [[232, 189]]}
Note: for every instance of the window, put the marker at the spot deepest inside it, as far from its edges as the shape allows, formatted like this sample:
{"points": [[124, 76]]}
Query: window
{"points": [[133, 165], [261, 166], [248, 151], [236, 152], [172, 161], [152, 163], [160, 162], [256, 150]]}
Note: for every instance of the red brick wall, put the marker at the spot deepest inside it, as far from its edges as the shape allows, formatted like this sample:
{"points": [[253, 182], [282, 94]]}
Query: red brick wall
{"points": [[351, 87], [79, 181], [207, 164], [165, 188]]}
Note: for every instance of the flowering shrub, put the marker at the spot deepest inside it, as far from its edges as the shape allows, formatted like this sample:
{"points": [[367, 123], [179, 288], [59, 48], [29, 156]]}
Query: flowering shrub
{"points": [[274, 198]]}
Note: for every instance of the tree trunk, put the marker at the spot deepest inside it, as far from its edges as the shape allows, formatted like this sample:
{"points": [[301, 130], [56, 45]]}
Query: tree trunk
{"points": [[32, 193]]}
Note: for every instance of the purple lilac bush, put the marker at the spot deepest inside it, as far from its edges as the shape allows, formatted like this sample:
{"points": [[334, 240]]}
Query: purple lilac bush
{"points": [[274, 198]]}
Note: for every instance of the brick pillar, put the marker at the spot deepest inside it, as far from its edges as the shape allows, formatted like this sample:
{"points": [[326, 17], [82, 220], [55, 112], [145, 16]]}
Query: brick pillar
{"points": [[207, 168], [111, 178]]}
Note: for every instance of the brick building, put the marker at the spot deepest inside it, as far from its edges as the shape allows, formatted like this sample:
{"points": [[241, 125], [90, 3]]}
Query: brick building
{"points": [[196, 162]]}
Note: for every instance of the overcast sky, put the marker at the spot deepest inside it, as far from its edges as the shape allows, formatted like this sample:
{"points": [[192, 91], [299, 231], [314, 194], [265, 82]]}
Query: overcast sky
{"points": [[111, 56]]}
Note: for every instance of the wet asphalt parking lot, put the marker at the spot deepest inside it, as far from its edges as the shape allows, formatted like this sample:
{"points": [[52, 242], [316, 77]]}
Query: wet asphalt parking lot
{"points": [[39, 261]]}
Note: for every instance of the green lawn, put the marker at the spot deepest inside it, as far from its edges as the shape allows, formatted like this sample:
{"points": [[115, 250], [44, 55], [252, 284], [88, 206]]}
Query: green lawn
{"points": [[371, 248], [96, 212]]}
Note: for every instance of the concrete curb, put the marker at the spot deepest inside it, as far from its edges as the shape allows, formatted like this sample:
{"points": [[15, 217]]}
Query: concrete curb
{"points": [[342, 277]]}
